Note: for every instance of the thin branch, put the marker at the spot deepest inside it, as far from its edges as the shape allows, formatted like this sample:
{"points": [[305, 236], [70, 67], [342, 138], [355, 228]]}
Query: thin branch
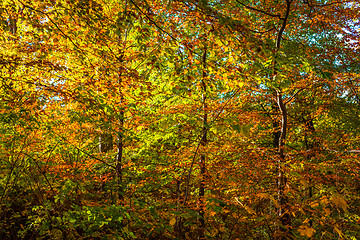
{"points": [[354, 91], [266, 112], [258, 32], [259, 10], [289, 100], [42, 172], [152, 21], [93, 157], [328, 4]]}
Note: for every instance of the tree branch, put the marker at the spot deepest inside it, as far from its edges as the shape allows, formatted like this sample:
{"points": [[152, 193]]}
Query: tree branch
{"points": [[289, 100], [259, 10], [281, 31]]}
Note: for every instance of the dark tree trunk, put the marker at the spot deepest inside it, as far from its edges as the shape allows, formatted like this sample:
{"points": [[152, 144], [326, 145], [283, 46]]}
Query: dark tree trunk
{"points": [[284, 230], [120, 142], [202, 162]]}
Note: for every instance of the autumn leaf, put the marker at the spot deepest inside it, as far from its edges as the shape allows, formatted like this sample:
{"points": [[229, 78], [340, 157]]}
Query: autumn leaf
{"points": [[306, 231], [340, 202], [172, 222]]}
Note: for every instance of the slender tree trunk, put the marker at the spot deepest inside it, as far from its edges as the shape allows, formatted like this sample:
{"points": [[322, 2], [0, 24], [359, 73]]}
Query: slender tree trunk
{"points": [[178, 226], [202, 161], [284, 230], [283, 210], [119, 156], [120, 141], [310, 145]]}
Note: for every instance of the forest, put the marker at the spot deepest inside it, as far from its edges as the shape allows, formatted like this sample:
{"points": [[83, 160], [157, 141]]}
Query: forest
{"points": [[179, 119]]}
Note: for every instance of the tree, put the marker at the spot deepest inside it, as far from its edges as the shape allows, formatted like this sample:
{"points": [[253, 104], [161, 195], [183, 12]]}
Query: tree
{"points": [[232, 119]]}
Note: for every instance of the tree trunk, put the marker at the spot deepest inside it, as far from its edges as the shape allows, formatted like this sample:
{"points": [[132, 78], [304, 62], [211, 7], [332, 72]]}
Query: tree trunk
{"points": [[310, 145], [202, 156], [284, 230], [283, 210], [120, 142], [119, 156]]}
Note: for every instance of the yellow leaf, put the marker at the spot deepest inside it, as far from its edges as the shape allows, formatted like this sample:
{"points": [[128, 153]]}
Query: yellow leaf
{"points": [[327, 211], [212, 213], [324, 200], [304, 183], [306, 231], [314, 204], [263, 195], [173, 221], [211, 70], [139, 128], [310, 231], [340, 202]]}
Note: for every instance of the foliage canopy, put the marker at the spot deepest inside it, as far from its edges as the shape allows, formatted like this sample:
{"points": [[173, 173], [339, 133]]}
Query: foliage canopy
{"points": [[199, 119]]}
